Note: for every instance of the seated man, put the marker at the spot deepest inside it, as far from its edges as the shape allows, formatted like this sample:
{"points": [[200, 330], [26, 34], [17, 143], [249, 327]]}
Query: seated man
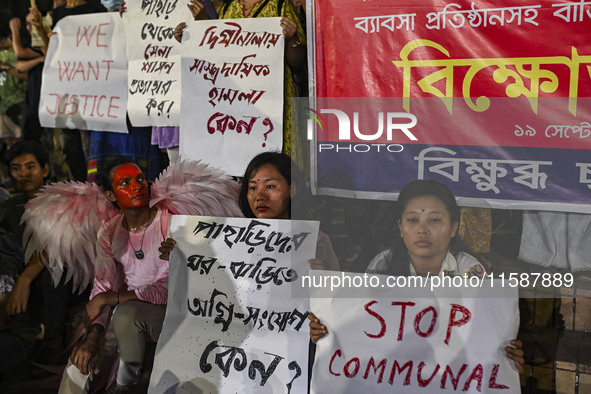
{"points": [[29, 297], [128, 301]]}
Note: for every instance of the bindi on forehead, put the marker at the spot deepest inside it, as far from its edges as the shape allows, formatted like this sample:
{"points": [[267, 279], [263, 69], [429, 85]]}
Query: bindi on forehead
{"points": [[424, 211]]}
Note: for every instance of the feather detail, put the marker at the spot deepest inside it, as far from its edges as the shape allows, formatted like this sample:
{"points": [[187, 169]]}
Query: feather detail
{"points": [[62, 223], [194, 188]]}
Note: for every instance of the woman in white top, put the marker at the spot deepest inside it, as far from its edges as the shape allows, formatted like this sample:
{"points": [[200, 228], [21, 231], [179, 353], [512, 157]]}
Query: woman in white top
{"points": [[428, 218]]}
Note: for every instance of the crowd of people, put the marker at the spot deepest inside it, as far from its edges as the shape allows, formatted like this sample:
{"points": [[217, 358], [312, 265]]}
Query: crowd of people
{"points": [[124, 307]]}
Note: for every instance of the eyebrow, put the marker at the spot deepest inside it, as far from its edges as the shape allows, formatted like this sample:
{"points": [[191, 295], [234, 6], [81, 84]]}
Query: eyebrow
{"points": [[24, 164], [417, 211], [252, 180]]}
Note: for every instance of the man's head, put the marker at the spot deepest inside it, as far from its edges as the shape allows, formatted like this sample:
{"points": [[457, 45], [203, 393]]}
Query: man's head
{"points": [[28, 162], [127, 186]]}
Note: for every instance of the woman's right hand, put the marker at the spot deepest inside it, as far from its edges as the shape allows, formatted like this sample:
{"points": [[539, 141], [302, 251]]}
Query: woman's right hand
{"points": [[317, 329], [122, 8], [166, 247]]}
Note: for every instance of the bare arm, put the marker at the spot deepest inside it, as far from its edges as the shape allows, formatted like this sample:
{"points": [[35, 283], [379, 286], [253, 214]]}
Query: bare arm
{"points": [[295, 52], [13, 71], [19, 296], [95, 306], [24, 66], [20, 51]]}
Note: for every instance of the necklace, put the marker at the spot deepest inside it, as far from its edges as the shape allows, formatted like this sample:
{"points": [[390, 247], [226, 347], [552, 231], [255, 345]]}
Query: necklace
{"points": [[139, 254]]}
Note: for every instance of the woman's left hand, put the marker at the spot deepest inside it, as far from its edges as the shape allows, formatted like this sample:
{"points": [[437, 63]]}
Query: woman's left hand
{"points": [[166, 247], [515, 353], [178, 31], [289, 28], [317, 329]]}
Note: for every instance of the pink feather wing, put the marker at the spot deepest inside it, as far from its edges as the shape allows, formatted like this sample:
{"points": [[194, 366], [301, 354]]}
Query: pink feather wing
{"points": [[62, 222], [194, 188]]}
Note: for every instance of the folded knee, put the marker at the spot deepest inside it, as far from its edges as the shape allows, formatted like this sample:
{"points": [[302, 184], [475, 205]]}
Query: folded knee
{"points": [[125, 315]]}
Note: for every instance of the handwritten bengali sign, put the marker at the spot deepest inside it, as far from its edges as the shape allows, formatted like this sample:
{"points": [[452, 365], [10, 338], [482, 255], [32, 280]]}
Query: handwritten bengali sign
{"points": [[232, 324], [85, 74], [385, 341], [232, 93], [476, 82], [154, 60]]}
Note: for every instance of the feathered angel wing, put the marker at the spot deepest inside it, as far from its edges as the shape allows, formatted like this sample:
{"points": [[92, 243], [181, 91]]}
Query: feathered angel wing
{"points": [[194, 188], [62, 223]]}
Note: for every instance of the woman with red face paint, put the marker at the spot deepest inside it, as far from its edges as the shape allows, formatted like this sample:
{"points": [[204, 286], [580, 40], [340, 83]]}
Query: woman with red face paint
{"points": [[428, 218], [128, 300], [120, 247]]}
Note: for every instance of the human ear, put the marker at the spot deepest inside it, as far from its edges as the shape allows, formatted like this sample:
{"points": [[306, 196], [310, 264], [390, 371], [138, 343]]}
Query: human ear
{"points": [[111, 196], [292, 190], [45, 170], [400, 228]]}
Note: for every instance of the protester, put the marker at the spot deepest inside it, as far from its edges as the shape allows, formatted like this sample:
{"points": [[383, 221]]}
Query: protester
{"points": [[127, 304], [34, 304], [267, 191], [295, 51], [428, 218], [130, 278], [168, 137]]}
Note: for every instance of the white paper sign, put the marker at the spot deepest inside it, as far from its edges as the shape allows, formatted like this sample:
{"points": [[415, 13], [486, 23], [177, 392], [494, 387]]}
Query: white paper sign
{"points": [[232, 325], [85, 75], [154, 60], [386, 341], [232, 93]]}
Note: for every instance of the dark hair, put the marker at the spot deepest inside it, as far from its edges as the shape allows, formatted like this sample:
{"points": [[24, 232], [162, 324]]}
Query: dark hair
{"points": [[397, 256], [104, 178], [435, 189], [27, 147], [280, 161]]}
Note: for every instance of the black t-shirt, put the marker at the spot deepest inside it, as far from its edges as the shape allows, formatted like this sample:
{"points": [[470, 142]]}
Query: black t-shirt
{"points": [[90, 7]]}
